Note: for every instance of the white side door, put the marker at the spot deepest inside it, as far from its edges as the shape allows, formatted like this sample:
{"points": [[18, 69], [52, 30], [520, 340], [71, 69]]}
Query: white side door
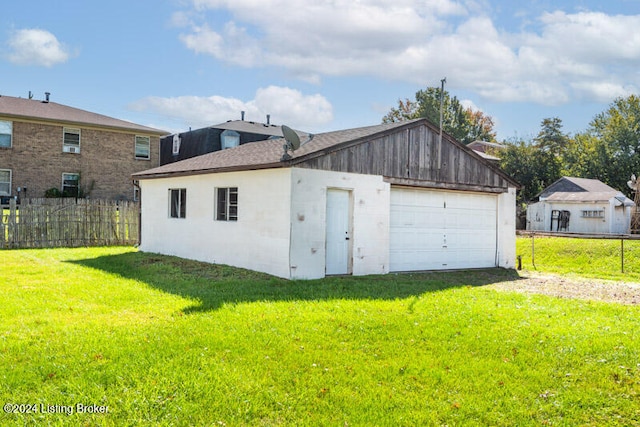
{"points": [[338, 233]]}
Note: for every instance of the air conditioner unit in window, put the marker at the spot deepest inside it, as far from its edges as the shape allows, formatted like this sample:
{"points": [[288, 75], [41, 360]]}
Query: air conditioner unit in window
{"points": [[70, 149]]}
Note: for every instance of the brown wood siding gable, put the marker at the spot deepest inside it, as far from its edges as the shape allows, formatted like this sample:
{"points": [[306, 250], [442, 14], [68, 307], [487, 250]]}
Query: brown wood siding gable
{"points": [[411, 154]]}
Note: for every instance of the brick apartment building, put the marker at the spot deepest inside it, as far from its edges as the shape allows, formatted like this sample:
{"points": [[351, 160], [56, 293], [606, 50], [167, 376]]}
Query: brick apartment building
{"points": [[46, 146]]}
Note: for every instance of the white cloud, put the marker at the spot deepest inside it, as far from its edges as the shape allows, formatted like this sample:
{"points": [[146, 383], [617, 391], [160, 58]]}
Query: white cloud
{"points": [[36, 47], [285, 105], [564, 56]]}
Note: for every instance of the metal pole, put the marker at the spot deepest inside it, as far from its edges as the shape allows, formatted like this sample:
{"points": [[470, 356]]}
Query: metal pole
{"points": [[622, 254], [533, 252], [442, 82]]}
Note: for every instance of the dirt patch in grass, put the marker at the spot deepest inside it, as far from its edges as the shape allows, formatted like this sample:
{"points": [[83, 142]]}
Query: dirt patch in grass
{"points": [[573, 287]]}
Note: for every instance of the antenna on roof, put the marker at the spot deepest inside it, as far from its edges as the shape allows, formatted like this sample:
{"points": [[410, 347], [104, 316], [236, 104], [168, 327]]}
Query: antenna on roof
{"points": [[292, 142]]}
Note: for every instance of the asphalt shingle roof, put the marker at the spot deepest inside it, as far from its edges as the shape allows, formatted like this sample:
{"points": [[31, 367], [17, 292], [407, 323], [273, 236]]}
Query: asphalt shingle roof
{"points": [[51, 111], [571, 189], [265, 154]]}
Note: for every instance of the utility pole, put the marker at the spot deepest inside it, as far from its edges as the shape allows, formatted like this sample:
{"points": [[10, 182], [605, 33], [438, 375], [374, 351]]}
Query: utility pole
{"points": [[442, 82]]}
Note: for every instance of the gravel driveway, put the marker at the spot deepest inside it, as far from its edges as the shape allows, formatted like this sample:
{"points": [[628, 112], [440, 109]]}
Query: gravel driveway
{"points": [[581, 288]]}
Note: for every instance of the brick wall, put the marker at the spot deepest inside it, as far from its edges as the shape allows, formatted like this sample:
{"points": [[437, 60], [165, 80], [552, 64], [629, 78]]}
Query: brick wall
{"points": [[105, 162]]}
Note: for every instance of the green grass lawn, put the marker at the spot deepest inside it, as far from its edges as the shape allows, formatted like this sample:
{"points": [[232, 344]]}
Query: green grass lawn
{"points": [[599, 258], [163, 341]]}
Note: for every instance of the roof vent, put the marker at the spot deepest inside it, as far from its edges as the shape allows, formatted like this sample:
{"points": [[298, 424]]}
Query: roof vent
{"points": [[268, 119], [242, 115], [46, 97]]}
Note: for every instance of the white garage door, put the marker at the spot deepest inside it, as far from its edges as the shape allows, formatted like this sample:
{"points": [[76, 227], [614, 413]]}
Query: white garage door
{"points": [[435, 230]]}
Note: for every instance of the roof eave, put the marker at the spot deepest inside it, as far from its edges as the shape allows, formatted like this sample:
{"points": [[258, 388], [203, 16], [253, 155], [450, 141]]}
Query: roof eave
{"points": [[151, 131], [158, 175]]}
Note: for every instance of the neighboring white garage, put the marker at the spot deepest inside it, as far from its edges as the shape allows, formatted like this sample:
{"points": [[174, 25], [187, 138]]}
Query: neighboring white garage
{"points": [[435, 230]]}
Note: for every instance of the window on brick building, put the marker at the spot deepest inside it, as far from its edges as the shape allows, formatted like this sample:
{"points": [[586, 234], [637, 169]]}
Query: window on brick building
{"points": [[5, 182], [143, 147], [70, 184], [6, 132], [71, 140]]}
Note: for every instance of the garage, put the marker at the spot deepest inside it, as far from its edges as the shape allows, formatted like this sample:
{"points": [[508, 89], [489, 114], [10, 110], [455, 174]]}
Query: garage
{"points": [[435, 229]]}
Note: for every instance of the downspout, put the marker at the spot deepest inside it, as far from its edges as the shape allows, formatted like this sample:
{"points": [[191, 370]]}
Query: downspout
{"points": [[137, 185]]}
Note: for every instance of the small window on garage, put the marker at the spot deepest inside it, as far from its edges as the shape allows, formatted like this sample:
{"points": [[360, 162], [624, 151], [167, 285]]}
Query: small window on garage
{"points": [[227, 204], [178, 203]]}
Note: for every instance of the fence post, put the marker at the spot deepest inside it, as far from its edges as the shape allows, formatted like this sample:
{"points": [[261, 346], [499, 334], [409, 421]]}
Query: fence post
{"points": [[12, 222], [622, 254], [533, 251]]}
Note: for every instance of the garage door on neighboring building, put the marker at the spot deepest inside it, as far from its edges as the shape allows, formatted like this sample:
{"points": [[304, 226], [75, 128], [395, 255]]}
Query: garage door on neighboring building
{"points": [[434, 230]]}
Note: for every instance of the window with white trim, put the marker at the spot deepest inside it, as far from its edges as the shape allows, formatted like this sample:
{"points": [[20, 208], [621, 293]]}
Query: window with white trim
{"points": [[175, 148], [599, 213], [5, 182], [71, 140], [143, 147], [70, 184], [178, 202], [6, 133], [230, 138], [227, 204]]}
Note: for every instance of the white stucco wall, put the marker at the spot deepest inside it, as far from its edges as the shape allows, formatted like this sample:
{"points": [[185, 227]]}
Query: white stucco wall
{"points": [[281, 227], [258, 240], [506, 239], [370, 215], [616, 220]]}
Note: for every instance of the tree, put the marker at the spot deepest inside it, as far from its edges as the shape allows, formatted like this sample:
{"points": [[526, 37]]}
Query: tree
{"points": [[520, 160], [538, 164], [618, 132], [464, 124], [551, 138], [587, 156]]}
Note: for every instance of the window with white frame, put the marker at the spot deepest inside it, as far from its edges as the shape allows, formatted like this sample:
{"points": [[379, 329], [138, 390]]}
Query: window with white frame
{"points": [[70, 184], [178, 202], [71, 140], [175, 148], [595, 213], [143, 147], [6, 133], [5, 182], [230, 138], [227, 204]]}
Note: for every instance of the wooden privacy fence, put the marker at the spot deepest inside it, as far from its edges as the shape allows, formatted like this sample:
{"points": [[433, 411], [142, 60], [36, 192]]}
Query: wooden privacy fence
{"points": [[69, 222]]}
